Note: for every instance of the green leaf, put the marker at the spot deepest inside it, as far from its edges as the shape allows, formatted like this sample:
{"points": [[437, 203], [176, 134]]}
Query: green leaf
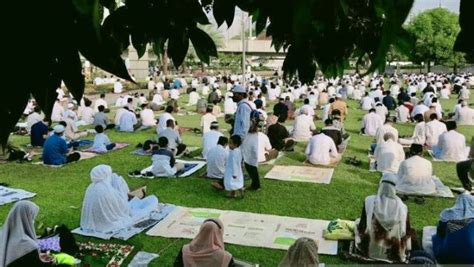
{"points": [[464, 41], [139, 44], [224, 11], [70, 68], [178, 45], [111, 5], [203, 44], [159, 46]]}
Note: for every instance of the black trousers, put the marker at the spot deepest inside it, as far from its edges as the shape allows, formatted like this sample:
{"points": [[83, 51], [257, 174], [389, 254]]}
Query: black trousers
{"points": [[463, 168], [253, 173], [73, 157]]}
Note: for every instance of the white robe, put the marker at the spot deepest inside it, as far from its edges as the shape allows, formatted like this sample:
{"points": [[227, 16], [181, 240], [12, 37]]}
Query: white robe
{"points": [[371, 122], [434, 129], [321, 149], [382, 130], [233, 169], [216, 162], [451, 147], [415, 177], [464, 116], [389, 155], [303, 127], [209, 141]]}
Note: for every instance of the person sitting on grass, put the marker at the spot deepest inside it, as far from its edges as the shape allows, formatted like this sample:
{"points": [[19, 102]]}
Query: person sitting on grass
{"points": [[451, 144], [207, 248], [332, 132], [434, 129], [164, 162], [210, 139], [102, 142], [175, 143], [128, 121], [39, 132], [389, 154], [265, 150], [383, 232], [415, 174], [303, 126], [454, 239], [216, 161], [419, 133], [371, 122], [100, 118], [321, 150], [279, 136], [233, 175], [55, 150], [147, 116], [106, 207], [303, 253]]}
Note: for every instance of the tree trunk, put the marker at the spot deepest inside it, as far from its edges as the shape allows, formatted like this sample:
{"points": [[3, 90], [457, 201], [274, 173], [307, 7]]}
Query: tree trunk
{"points": [[428, 66], [455, 68]]}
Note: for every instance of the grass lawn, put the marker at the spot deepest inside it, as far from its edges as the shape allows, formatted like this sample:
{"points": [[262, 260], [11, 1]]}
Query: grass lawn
{"points": [[60, 191]]}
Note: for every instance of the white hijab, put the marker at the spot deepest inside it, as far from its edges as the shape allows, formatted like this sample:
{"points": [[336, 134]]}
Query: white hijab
{"points": [[388, 208], [104, 208], [18, 236]]}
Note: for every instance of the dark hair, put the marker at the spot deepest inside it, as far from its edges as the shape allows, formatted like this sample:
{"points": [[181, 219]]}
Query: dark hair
{"points": [[102, 95], [99, 129], [328, 122], [37, 109], [101, 108], [147, 144], [451, 125], [169, 123], [371, 110], [63, 123], [306, 101], [416, 149], [130, 100], [215, 126], [223, 141], [236, 140], [433, 116], [331, 100], [209, 109], [163, 142], [169, 109], [282, 118], [144, 105]]}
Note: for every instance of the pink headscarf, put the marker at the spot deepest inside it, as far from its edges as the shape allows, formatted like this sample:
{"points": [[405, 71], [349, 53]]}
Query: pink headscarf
{"points": [[207, 248]]}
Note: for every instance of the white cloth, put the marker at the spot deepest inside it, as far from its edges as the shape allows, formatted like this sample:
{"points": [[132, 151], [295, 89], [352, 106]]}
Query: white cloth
{"points": [[415, 177], [434, 129], [57, 113], [193, 98], [233, 175], [206, 121], [174, 94], [464, 93], [320, 149], [32, 119], [264, 145], [452, 146], [118, 115], [367, 103], [118, 87], [371, 122], [209, 141], [99, 102], [389, 155], [303, 127], [127, 121], [216, 161], [87, 115], [249, 149], [18, 236], [161, 166], [384, 129], [419, 109], [148, 117], [418, 137], [403, 114], [158, 99], [465, 116], [104, 209], [162, 121], [382, 111], [229, 106], [101, 140]]}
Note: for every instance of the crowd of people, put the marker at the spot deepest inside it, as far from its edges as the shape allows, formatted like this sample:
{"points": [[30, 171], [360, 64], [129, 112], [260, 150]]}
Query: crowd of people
{"points": [[258, 134]]}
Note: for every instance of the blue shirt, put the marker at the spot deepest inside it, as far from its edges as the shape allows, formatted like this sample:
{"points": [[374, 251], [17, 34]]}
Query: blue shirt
{"points": [[37, 131], [242, 119], [55, 149]]}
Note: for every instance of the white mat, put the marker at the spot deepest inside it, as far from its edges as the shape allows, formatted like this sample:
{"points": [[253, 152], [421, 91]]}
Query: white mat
{"points": [[301, 174], [441, 190], [246, 229], [427, 242], [9, 195], [467, 150], [127, 233], [199, 165]]}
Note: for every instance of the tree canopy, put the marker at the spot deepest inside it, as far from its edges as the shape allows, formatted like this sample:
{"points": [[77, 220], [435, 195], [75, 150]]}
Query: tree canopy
{"points": [[435, 32], [46, 38]]}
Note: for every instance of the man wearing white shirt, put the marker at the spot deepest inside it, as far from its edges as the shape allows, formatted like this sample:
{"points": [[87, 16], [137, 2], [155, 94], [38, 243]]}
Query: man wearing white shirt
{"points": [[34, 117], [57, 113], [101, 102], [420, 108], [451, 145], [164, 118], [381, 110], [174, 94], [217, 158], [415, 174], [419, 133], [229, 106], [128, 121], [434, 128], [87, 113], [367, 102], [321, 150], [265, 150], [403, 113], [384, 129], [389, 154], [193, 97], [147, 116], [464, 93], [371, 122], [118, 87], [207, 119], [157, 102], [445, 92], [210, 139], [465, 115], [308, 108], [303, 127]]}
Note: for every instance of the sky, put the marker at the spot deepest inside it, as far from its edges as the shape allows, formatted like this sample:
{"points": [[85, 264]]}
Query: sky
{"points": [[418, 6]]}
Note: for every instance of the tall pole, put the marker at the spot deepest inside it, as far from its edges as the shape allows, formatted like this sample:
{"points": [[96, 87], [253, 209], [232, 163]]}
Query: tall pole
{"points": [[243, 37]]}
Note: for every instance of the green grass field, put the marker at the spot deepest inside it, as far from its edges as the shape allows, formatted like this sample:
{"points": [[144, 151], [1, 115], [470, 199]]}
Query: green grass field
{"points": [[60, 191]]}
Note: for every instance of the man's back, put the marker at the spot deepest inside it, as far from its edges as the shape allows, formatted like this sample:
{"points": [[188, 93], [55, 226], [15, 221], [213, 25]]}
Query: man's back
{"points": [[453, 146], [434, 129], [173, 137], [38, 130], [100, 119], [216, 161], [127, 120], [54, 151], [334, 133], [209, 141], [277, 133], [320, 149]]}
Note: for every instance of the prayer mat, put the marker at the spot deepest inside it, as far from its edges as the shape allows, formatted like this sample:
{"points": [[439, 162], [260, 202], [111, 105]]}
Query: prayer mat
{"points": [[427, 241], [332, 165], [272, 161], [246, 229], [190, 167], [138, 227], [103, 254], [140, 152], [142, 259], [84, 156], [117, 147], [441, 190], [188, 151], [301, 174], [9, 195], [467, 150]]}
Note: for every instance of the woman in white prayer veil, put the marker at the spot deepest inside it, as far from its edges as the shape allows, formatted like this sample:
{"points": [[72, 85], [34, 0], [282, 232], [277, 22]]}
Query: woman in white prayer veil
{"points": [[106, 208], [383, 232]]}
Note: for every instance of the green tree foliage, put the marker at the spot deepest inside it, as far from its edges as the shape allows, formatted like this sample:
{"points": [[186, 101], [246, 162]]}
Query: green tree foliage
{"points": [[435, 32], [323, 34]]}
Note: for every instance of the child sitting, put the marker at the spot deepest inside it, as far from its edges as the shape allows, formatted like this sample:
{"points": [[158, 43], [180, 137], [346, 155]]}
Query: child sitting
{"points": [[102, 142], [233, 176], [164, 163]]}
